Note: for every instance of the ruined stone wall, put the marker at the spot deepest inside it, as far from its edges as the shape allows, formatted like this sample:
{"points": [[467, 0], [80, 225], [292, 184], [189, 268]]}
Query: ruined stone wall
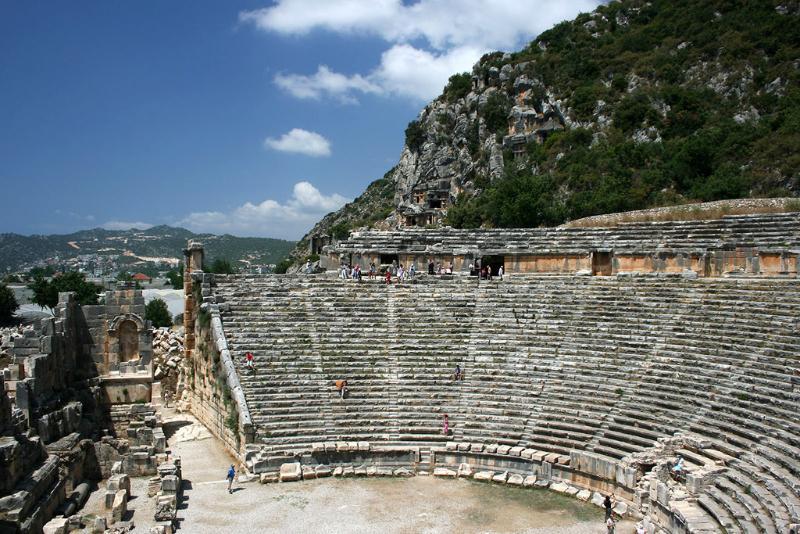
{"points": [[210, 398], [66, 373], [212, 392]]}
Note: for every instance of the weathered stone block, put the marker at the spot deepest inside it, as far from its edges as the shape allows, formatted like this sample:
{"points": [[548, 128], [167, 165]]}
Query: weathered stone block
{"points": [[57, 525], [309, 473], [465, 470], [483, 476], [119, 482], [584, 495], [515, 479], [503, 449], [323, 471], [119, 507], [500, 477], [268, 478], [291, 472], [170, 484], [515, 451], [444, 472], [529, 481]]}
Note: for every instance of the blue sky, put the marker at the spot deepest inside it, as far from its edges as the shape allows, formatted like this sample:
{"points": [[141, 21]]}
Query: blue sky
{"points": [[252, 118]]}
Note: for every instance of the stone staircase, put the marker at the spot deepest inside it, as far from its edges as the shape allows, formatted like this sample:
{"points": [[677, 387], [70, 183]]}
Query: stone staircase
{"points": [[553, 363]]}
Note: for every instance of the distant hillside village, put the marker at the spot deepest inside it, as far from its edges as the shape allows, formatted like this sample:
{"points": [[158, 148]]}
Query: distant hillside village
{"points": [[104, 255]]}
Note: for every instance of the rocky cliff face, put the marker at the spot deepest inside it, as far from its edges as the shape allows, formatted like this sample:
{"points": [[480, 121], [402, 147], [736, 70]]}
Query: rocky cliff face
{"points": [[636, 105]]}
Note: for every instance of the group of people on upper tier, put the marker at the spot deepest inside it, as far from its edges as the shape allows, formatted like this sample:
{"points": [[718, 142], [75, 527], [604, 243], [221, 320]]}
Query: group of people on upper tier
{"points": [[400, 273]]}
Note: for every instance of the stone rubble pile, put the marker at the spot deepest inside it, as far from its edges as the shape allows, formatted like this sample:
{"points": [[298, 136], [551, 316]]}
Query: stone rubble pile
{"points": [[167, 358], [7, 337]]}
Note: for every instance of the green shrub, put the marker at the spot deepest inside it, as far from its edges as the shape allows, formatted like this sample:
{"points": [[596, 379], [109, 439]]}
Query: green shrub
{"points": [[157, 313], [495, 113], [8, 304], [283, 266], [340, 230], [415, 136], [458, 86], [222, 266]]}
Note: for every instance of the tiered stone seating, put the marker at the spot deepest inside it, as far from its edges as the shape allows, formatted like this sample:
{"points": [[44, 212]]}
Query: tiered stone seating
{"points": [[777, 231], [552, 363]]}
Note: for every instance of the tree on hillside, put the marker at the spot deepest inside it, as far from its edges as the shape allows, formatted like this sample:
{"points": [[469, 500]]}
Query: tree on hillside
{"points": [[157, 313], [41, 272], [175, 277], [45, 293], [222, 266], [8, 304]]}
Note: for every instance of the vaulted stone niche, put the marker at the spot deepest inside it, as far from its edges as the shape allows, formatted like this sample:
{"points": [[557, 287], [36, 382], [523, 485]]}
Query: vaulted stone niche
{"points": [[126, 334]]}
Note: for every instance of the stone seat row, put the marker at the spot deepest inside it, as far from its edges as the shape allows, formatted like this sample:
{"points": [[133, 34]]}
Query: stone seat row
{"points": [[581, 362]]}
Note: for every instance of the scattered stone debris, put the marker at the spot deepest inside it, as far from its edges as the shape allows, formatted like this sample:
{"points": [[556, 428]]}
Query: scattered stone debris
{"points": [[168, 359]]}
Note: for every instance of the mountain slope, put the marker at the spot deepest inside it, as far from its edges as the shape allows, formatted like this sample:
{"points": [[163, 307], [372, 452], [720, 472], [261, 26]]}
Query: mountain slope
{"points": [[160, 241], [638, 104]]}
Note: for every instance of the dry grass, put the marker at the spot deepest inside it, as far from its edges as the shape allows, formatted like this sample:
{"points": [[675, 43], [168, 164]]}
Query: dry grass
{"points": [[692, 212]]}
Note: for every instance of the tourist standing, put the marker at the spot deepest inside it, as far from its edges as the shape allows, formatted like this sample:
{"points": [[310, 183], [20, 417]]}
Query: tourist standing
{"points": [[411, 271], [230, 477], [341, 386], [400, 273], [610, 525], [500, 272], [308, 266], [430, 266], [608, 505], [372, 270], [445, 425], [388, 277]]}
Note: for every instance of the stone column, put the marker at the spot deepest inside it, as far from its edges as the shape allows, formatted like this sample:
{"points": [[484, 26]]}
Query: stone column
{"points": [[193, 261]]}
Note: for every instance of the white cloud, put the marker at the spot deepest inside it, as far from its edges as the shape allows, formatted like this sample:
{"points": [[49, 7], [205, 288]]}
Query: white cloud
{"points": [[442, 23], [269, 217], [325, 82], [300, 141], [125, 225], [419, 74], [457, 33]]}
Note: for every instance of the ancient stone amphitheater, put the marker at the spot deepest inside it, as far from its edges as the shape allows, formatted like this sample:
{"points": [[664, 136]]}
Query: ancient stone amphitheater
{"points": [[588, 385]]}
